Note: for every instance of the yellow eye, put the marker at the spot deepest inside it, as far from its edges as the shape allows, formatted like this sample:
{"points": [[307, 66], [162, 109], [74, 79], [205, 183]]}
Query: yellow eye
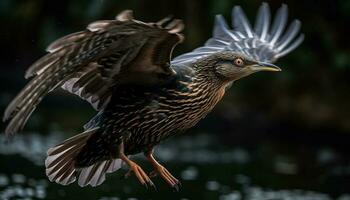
{"points": [[238, 62]]}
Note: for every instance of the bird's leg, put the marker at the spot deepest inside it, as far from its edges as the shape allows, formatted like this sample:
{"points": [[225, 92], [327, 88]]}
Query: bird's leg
{"points": [[134, 168], [162, 171]]}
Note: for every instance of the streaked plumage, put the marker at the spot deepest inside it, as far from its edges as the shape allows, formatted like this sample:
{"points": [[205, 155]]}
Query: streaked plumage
{"points": [[123, 68]]}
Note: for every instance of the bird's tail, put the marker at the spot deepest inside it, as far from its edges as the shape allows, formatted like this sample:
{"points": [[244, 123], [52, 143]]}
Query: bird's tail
{"points": [[61, 163]]}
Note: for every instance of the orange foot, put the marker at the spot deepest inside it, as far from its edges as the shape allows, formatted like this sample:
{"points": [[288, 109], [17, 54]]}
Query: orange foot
{"points": [[167, 176], [162, 171], [136, 169]]}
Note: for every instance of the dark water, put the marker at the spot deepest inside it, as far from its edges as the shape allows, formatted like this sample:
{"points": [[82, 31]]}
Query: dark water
{"points": [[207, 171]]}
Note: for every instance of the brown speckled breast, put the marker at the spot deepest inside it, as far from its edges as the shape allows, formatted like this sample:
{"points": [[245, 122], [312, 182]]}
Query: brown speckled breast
{"points": [[144, 117]]}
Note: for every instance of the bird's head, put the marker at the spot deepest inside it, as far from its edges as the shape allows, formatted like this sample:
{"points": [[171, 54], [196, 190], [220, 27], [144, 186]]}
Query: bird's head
{"points": [[231, 66]]}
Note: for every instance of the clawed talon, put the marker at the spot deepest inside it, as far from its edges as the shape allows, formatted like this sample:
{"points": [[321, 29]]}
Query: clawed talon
{"points": [[128, 174], [136, 169], [162, 171], [140, 175], [143, 177], [167, 176], [153, 174]]}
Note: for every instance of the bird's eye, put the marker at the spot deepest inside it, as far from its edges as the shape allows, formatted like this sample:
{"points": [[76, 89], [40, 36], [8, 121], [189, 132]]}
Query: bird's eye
{"points": [[238, 62]]}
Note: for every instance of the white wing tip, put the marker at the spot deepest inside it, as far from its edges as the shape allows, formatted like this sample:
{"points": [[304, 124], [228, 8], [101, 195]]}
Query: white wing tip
{"points": [[262, 43]]}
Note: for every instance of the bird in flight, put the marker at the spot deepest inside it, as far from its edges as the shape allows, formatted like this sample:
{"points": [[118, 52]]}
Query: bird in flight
{"points": [[123, 68]]}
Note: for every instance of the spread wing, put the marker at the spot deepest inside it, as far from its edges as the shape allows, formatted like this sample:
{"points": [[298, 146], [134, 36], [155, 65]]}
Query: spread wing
{"points": [[263, 42], [91, 62]]}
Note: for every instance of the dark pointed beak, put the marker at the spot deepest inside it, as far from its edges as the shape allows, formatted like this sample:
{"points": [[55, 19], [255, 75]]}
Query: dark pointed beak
{"points": [[264, 66]]}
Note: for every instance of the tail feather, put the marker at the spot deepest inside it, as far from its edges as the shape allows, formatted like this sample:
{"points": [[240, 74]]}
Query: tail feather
{"points": [[114, 165], [61, 160], [93, 175], [72, 142]]}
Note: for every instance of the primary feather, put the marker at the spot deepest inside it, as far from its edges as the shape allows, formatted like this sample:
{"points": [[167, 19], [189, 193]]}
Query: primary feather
{"points": [[263, 43], [90, 63]]}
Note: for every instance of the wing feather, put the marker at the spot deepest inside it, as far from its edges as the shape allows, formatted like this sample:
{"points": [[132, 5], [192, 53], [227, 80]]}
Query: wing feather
{"points": [[240, 22], [279, 24], [262, 43], [92, 62], [66, 40], [291, 47], [262, 22], [221, 30], [290, 34]]}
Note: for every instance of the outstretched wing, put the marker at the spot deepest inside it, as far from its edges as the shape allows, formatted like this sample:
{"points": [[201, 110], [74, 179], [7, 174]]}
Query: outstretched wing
{"points": [[263, 43], [91, 62]]}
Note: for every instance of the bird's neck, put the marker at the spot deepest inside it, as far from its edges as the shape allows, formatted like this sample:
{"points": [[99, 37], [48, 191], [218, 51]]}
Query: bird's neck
{"points": [[202, 81], [200, 85], [195, 99], [213, 88]]}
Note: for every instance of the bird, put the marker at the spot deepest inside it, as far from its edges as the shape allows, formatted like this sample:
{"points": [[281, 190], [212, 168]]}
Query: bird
{"points": [[124, 68]]}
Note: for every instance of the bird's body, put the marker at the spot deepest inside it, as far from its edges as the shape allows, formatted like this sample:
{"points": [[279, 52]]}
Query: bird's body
{"points": [[141, 117], [122, 67]]}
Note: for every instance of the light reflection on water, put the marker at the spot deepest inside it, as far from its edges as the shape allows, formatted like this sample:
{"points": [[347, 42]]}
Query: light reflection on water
{"points": [[190, 156], [31, 146], [34, 146], [21, 187]]}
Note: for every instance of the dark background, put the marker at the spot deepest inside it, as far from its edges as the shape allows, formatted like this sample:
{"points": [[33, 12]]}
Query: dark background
{"points": [[294, 126]]}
